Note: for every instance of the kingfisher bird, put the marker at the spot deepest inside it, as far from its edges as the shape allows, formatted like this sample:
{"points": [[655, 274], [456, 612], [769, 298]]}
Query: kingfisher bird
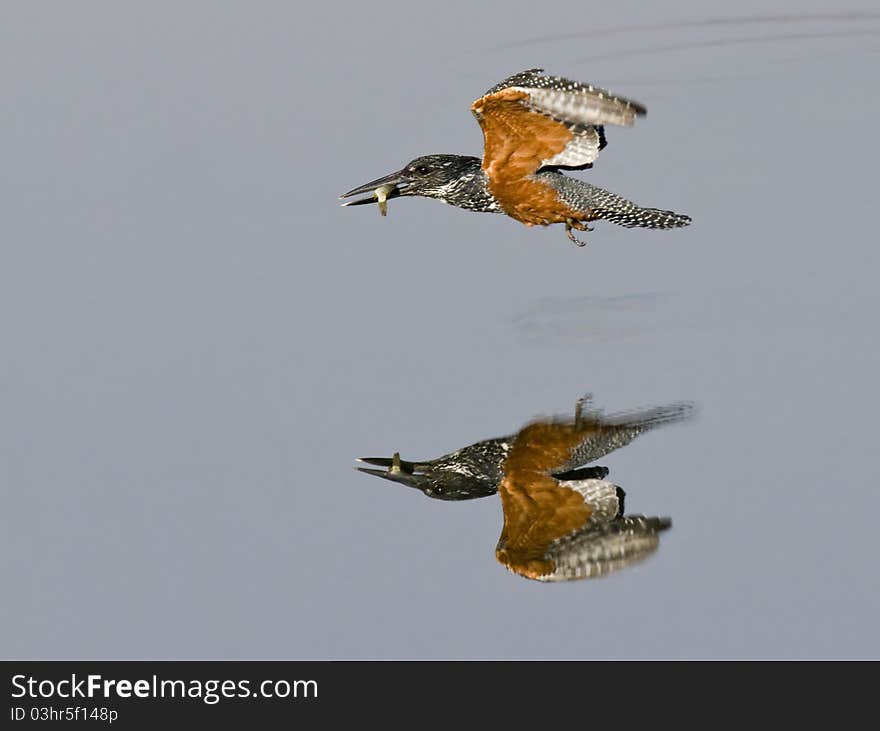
{"points": [[562, 521], [472, 472], [533, 125]]}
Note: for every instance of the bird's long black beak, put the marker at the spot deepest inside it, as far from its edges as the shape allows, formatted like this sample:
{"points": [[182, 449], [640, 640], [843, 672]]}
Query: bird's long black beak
{"points": [[379, 190], [396, 470]]}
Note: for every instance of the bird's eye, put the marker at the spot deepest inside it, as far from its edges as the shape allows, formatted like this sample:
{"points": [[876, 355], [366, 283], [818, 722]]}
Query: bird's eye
{"points": [[422, 169]]}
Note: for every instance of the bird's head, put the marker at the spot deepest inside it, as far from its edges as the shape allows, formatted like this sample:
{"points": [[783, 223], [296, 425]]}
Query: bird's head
{"points": [[431, 176], [433, 481]]}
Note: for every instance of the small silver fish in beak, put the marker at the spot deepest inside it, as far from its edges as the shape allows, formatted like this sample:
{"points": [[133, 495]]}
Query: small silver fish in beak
{"points": [[382, 196], [378, 191]]}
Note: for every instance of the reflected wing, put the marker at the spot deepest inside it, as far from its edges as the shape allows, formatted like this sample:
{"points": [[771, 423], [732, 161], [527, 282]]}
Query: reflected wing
{"points": [[563, 533], [540, 509], [561, 529], [537, 512], [530, 121], [602, 548]]}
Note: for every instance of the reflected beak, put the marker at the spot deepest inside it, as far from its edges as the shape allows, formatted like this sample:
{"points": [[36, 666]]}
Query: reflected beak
{"points": [[378, 191], [396, 470]]}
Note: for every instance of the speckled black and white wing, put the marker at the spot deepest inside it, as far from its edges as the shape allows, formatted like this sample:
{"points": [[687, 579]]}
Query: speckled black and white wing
{"points": [[604, 547], [582, 108]]}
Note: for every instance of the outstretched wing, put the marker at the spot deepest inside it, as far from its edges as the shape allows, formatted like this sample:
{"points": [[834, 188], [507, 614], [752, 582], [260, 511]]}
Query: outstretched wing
{"points": [[530, 121]]}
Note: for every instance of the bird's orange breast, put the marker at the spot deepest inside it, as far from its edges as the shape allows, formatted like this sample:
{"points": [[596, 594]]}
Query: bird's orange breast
{"points": [[530, 201], [545, 446]]}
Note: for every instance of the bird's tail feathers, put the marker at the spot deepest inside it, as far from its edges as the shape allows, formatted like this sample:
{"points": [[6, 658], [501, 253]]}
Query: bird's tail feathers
{"points": [[599, 203], [646, 419], [632, 216]]}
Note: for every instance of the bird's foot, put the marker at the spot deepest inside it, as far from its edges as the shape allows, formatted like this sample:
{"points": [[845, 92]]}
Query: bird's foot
{"points": [[581, 406], [579, 226], [571, 237]]}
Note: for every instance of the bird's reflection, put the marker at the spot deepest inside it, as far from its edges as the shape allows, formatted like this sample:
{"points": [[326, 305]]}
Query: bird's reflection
{"points": [[562, 521]]}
